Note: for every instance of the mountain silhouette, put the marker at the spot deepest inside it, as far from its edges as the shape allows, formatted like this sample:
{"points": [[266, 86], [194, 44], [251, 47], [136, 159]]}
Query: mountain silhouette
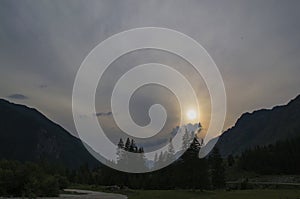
{"points": [[27, 135], [262, 127]]}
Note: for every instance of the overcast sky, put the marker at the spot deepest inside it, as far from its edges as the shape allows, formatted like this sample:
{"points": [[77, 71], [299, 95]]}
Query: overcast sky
{"points": [[255, 44]]}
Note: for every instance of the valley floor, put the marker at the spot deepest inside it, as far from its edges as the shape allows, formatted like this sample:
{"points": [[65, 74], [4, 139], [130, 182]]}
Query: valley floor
{"points": [[184, 194], [84, 194], [238, 194]]}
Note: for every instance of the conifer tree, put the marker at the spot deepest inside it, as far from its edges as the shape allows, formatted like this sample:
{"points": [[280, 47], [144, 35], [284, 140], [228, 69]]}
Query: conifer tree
{"points": [[171, 151], [127, 144], [217, 169]]}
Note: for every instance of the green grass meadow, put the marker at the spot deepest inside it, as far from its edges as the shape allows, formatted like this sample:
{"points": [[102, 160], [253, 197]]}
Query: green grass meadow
{"points": [[238, 194]]}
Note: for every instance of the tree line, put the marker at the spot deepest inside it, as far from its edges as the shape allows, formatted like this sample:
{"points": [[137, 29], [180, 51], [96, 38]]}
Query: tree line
{"points": [[282, 157], [30, 179], [188, 172], [43, 179]]}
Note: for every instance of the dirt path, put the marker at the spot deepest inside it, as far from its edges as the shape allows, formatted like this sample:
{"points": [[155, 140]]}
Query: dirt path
{"points": [[86, 195], [92, 195]]}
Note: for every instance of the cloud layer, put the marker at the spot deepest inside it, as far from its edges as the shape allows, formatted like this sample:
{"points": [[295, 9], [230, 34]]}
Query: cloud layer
{"points": [[18, 96], [254, 43]]}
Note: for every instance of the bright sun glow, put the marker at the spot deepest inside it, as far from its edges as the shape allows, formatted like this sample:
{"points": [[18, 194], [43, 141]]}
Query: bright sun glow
{"points": [[191, 114]]}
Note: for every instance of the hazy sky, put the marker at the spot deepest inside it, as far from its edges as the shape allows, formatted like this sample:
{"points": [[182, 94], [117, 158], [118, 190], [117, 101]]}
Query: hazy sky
{"points": [[255, 44]]}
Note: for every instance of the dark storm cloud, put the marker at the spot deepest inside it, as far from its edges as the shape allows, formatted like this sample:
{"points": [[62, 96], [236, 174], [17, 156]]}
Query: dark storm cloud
{"points": [[100, 114], [18, 96]]}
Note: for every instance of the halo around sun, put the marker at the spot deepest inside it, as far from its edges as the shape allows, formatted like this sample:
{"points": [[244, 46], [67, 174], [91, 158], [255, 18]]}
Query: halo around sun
{"points": [[191, 115]]}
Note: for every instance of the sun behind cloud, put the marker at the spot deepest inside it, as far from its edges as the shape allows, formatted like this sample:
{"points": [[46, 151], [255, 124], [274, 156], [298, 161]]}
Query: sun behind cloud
{"points": [[191, 114]]}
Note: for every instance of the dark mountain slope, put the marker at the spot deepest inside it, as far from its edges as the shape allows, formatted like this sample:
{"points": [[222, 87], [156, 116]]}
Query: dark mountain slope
{"points": [[27, 135], [262, 127]]}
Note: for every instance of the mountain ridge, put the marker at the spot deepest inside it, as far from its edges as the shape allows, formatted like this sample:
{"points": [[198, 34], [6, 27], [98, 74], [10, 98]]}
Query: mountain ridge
{"points": [[28, 135], [262, 127]]}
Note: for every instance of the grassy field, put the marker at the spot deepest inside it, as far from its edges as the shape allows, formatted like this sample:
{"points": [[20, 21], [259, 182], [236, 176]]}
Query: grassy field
{"points": [[185, 194], [240, 194]]}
